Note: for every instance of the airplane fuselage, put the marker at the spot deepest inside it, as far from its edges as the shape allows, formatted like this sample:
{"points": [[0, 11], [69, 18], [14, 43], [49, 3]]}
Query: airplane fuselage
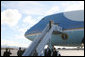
{"points": [[73, 31], [74, 38]]}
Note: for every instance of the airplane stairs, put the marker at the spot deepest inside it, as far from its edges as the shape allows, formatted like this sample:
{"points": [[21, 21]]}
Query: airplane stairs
{"points": [[39, 43]]}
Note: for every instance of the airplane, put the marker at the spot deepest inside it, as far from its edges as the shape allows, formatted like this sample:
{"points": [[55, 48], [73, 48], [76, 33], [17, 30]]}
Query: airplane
{"points": [[72, 30]]}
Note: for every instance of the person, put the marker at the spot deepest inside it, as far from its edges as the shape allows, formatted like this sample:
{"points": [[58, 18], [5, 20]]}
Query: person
{"points": [[7, 53], [35, 53], [47, 52], [55, 52], [19, 52]]}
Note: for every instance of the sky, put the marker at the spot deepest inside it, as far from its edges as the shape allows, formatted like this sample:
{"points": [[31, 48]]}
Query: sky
{"points": [[19, 16]]}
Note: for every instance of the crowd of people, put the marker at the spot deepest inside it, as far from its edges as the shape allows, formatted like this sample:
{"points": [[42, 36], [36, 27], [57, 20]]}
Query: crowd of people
{"points": [[8, 52], [47, 52]]}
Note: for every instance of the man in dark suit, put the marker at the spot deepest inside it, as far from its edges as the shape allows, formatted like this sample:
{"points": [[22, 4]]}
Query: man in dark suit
{"points": [[47, 52]]}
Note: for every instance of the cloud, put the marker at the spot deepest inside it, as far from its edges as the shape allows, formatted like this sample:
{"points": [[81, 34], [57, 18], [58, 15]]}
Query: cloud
{"points": [[10, 17], [40, 8], [30, 21], [31, 7], [21, 4], [23, 30], [74, 6], [25, 7], [53, 10]]}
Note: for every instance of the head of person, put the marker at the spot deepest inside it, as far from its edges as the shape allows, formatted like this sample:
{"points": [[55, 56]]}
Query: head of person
{"points": [[55, 49], [6, 49], [19, 48]]}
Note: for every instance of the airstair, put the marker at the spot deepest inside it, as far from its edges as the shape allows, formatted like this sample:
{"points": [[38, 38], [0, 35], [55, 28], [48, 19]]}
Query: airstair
{"points": [[39, 43]]}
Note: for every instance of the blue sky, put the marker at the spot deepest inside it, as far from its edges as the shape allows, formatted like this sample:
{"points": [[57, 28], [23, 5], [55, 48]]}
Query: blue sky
{"points": [[18, 16]]}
